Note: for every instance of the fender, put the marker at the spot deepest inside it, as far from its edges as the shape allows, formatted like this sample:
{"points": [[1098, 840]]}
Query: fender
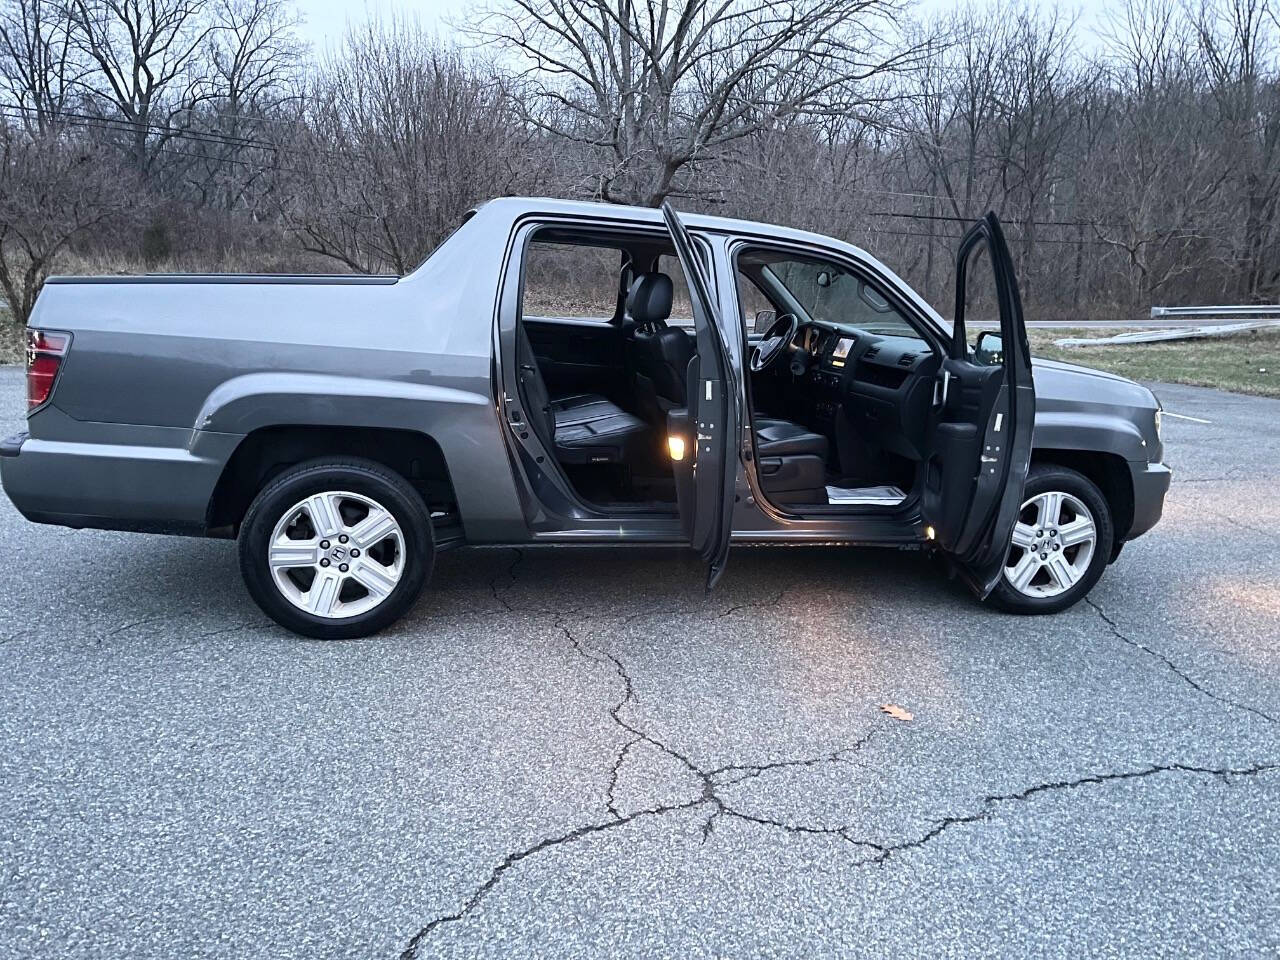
{"points": [[1093, 432], [464, 424]]}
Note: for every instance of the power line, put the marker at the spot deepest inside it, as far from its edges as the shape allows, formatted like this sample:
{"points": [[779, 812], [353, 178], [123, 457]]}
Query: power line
{"points": [[933, 236], [1021, 221], [125, 124], [275, 168]]}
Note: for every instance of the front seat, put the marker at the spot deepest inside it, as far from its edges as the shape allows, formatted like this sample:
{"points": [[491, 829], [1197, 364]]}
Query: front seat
{"points": [[792, 461], [585, 428], [659, 355]]}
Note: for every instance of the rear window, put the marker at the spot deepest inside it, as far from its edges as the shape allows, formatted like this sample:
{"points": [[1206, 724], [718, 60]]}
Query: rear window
{"points": [[571, 281]]}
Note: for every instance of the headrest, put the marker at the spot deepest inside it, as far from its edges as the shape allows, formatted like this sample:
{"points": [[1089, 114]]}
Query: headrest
{"points": [[649, 300]]}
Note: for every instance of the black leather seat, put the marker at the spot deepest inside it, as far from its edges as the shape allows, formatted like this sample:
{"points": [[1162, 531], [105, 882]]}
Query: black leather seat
{"points": [[582, 428], [658, 355], [780, 438], [792, 462]]}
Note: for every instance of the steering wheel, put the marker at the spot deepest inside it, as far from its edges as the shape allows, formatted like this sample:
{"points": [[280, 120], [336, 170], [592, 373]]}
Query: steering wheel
{"points": [[775, 341]]}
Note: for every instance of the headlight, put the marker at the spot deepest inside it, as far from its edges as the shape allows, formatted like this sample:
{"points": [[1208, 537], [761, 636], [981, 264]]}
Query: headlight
{"points": [[1159, 425]]}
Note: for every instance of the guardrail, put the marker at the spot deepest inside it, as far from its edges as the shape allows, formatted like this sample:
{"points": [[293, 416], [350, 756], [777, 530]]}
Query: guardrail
{"points": [[1252, 310], [1178, 333]]}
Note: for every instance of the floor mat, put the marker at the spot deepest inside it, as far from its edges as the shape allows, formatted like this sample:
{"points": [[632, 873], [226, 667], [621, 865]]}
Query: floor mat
{"points": [[865, 496]]}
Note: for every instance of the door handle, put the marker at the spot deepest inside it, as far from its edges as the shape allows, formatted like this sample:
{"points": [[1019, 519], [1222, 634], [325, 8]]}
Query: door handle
{"points": [[941, 389]]}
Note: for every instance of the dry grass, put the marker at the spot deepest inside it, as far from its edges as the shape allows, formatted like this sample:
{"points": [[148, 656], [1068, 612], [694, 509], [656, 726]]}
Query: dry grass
{"points": [[1242, 363], [104, 262]]}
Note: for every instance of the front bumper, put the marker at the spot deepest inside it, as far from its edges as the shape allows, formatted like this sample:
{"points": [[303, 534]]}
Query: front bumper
{"points": [[1150, 485]]}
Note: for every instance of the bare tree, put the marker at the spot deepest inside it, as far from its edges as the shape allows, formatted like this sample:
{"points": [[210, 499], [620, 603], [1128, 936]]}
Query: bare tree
{"points": [[1041, 79], [254, 69], [1237, 48], [1163, 177], [957, 108], [38, 62], [54, 189], [650, 87], [401, 137], [150, 58]]}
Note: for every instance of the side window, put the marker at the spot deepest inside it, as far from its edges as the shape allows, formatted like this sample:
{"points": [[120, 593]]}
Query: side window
{"points": [[982, 308], [681, 304], [571, 281], [756, 309]]}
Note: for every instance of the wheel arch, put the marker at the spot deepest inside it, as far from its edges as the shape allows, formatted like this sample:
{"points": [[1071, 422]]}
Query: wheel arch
{"points": [[1109, 472], [267, 451]]}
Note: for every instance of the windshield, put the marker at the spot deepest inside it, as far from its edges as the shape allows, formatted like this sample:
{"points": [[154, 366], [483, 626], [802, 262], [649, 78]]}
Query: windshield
{"points": [[828, 293]]}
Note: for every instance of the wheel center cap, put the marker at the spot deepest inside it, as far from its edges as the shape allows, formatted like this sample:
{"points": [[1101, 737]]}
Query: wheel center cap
{"points": [[338, 553]]}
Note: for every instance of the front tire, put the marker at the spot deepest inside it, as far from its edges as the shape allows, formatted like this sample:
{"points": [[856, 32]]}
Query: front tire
{"points": [[1061, 543], [336, 548]]}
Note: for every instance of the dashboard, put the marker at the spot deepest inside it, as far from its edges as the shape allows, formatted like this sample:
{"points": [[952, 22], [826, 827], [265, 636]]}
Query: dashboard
{"points": [[883, 383]]}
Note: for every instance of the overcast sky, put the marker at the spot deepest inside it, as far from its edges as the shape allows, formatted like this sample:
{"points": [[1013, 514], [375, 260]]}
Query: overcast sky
{"points": [[326, 20]]}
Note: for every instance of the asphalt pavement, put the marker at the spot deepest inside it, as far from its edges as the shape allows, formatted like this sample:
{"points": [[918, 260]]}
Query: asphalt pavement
{"points": [[575, 753]]}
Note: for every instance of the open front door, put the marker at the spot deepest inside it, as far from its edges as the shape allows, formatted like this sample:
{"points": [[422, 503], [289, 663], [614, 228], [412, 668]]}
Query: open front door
{"points": [[985, 404], [709, 426]]}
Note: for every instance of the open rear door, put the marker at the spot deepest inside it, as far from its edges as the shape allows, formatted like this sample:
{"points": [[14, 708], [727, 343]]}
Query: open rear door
{"points": [[985, 404], [710, 423]]}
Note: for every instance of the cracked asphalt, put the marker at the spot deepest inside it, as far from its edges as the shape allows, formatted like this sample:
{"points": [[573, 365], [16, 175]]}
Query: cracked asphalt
{"points": [[577, 754]]}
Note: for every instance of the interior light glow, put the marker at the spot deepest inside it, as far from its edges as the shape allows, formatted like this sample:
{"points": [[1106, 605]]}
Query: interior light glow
{"points": [[675, 446]]}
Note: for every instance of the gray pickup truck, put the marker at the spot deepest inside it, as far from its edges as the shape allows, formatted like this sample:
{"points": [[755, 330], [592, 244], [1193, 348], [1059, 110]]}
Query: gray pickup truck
{"points": [[571, 373]]}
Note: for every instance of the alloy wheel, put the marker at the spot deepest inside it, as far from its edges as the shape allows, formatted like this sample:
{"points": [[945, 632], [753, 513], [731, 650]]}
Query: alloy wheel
{"points": [[336, 554], [1053, 545]]}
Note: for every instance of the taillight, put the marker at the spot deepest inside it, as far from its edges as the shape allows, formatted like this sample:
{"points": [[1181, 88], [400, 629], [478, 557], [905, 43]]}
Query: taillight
{"points": [[45, 350]]}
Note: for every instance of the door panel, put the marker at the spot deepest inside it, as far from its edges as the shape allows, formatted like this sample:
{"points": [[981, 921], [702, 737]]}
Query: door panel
{"points": [[713, 417], [986, 411]]}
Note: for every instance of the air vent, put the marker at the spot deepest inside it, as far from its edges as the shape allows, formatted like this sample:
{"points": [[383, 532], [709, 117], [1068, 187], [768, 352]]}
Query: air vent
{"points": [[871, 353], [907, 360]]}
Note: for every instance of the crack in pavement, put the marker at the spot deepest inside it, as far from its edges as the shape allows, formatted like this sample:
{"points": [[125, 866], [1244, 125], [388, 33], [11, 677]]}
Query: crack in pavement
{"points": [[715, 780], [610, 803], [991, 802], [1191, 682], [415, 944], [137, 623], [200, 638], [499, 592], [748, 771], [754, 604], [511, 581], [1240, 523], [709, 793]]}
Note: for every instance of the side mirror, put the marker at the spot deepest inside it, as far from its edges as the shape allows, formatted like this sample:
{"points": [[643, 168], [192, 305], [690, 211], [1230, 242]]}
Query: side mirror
{"points": [[764, 320], [989, 349]]}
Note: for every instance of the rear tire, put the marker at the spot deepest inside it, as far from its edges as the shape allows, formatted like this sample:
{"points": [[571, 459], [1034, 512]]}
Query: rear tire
{"points": [[336, 548], [1059, 505]]}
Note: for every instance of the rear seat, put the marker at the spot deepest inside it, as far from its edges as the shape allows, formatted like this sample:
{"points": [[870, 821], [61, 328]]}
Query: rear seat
{"points": [[584, 427]]}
